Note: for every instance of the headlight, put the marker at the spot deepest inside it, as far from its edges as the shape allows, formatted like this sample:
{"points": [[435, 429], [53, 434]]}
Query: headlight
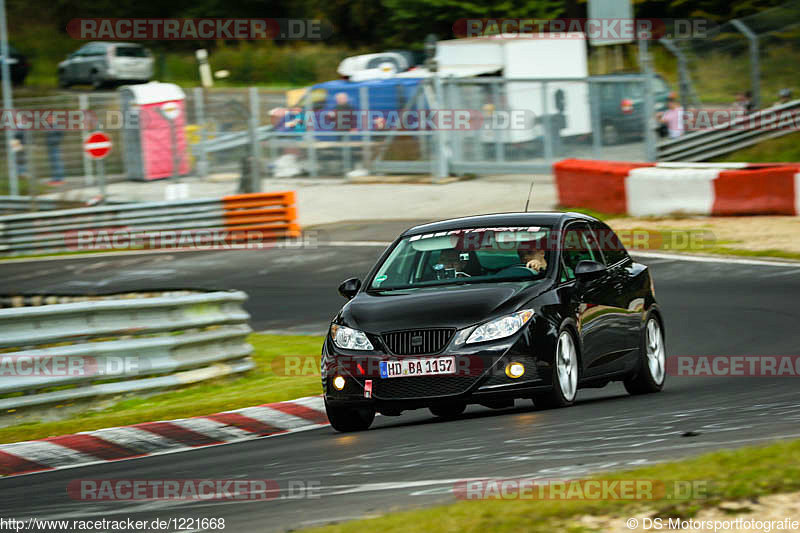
{"points": [[349, 338], [500, 327]]}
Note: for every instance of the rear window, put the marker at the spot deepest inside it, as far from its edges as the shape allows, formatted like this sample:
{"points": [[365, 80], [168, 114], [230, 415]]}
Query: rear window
{"points": [[130, 51]]}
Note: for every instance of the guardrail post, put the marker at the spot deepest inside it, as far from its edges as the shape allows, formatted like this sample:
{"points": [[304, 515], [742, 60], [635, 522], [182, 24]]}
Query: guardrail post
{"points": [[454, 101], [255, 145], [755, 67], [597, 126], [366, 153], [88, 175], [546, 129], [441, 143], [683, 70], [308, 137], [13, 179], [200, 118], [499, 150], [649, 102]]}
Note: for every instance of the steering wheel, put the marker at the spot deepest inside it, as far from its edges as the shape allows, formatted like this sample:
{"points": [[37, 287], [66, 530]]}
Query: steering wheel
{"points": [[516, 270]]}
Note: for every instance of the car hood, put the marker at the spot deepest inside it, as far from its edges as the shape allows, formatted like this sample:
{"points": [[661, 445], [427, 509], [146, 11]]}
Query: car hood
{"points": [[454, 306]]}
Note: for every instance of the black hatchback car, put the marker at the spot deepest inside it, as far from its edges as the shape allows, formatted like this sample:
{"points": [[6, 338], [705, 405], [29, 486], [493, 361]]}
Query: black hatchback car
{"points": [[488, 309]]}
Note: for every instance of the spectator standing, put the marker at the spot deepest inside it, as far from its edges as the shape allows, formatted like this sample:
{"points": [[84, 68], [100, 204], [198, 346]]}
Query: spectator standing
{"points": [[673, 118], [784, 97]]}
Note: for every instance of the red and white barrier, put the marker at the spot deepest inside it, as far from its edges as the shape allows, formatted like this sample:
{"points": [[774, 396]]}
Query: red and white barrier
{"points": [[659, 189]]}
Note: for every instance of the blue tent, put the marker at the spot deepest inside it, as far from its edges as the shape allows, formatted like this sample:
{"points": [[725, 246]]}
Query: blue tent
{"points": [[389, 94], [383, 95]]}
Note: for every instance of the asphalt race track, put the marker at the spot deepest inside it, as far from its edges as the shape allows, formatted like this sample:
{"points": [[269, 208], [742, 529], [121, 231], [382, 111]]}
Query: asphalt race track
{"points": [[711, 308]]}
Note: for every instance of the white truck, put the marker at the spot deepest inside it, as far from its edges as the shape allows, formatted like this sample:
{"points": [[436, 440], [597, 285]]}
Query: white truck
{"points": [[554, 56]]}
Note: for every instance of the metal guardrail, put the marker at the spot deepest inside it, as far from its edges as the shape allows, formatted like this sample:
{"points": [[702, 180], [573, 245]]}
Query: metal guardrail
{"points": [[123, 345], [24, 203], [725, 138], [247, 216]]}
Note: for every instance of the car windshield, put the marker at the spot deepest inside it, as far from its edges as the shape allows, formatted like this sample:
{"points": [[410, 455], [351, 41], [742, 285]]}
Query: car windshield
{"points": [[475, 255], [130, 51]]}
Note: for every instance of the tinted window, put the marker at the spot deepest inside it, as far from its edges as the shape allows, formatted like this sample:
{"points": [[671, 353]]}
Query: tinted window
{"points": [[578, 245], [130, 51], [612, 247]]}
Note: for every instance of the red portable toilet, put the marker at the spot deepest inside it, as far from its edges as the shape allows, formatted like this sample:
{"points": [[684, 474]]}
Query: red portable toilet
{"points": [[154, 140]]}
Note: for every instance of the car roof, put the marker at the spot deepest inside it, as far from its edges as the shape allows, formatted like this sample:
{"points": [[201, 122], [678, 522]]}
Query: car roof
{"points": [[531, 218], [115, 43]]}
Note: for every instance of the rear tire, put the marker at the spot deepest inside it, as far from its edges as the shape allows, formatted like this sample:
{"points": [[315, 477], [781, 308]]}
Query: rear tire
{"points": [[651, 373], [565, 374], [448, 410], [347, 419]]}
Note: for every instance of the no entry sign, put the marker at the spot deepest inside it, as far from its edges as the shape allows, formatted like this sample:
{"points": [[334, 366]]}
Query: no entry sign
{"points": [[97, 145]]}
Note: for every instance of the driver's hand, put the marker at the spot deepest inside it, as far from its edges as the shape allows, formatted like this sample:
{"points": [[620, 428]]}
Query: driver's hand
{"points": [[536, 264]]}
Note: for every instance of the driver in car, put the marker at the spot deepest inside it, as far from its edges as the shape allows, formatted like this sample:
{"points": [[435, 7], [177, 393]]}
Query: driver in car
{"points": [[532, 257]]}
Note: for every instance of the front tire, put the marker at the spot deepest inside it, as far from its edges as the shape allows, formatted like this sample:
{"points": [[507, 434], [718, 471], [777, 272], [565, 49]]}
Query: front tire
{"points": [[96, 81], [652, 360], [565, 374], [347, 419]]}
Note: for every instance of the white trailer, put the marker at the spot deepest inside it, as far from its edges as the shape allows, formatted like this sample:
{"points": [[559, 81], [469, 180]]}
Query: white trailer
{"points": [[553, 56]]}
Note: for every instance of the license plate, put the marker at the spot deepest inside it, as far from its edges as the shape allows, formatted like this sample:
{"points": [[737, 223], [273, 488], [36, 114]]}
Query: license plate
{"points": [[418, 367]]}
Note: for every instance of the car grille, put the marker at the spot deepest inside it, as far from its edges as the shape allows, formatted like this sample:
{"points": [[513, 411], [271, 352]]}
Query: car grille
{"points": [[420, 387], [417, 341]]}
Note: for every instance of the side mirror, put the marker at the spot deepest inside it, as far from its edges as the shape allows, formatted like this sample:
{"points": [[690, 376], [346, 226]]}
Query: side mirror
{"points": [[350, 287], [589, 270]]}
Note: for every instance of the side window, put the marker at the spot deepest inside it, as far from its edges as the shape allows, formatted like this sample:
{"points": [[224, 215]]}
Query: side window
{"points": [[612, 247], [578, 245], [91, 50]]}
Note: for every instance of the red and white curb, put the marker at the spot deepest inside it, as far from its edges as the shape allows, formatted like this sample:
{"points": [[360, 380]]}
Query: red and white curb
{"points": [[154, 438], [659, 189]]}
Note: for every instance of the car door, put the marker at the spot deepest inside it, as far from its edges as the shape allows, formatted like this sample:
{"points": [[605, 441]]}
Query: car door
{"points": [[96, 61], [72, 68], [628, 280], [599, 321]]}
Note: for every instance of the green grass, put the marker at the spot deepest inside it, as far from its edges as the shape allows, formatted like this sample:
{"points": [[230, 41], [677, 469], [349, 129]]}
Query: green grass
{"points": [[260, 385], [257, 63], [779, 150], [727, 250], [744, 473]]}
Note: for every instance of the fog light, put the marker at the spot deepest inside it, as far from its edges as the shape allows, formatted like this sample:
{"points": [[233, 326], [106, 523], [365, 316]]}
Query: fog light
{"points": [[515, 370], [338, 383]]}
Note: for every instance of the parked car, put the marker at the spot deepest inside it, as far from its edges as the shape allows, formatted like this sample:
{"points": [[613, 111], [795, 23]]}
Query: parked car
{"points": [[622, 104], [104, 63], [19, 66]]}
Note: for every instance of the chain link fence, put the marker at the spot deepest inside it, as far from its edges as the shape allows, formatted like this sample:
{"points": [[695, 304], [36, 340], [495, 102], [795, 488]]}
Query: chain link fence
{"points": [[755, 54], [514, 126]]}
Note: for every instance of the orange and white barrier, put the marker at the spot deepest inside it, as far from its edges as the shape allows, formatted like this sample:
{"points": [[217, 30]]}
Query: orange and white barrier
{"points": [[657, 189]]}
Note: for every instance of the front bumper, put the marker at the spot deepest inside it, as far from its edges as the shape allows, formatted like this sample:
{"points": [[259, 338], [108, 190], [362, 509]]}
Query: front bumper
{"points": [[480, 376]]}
